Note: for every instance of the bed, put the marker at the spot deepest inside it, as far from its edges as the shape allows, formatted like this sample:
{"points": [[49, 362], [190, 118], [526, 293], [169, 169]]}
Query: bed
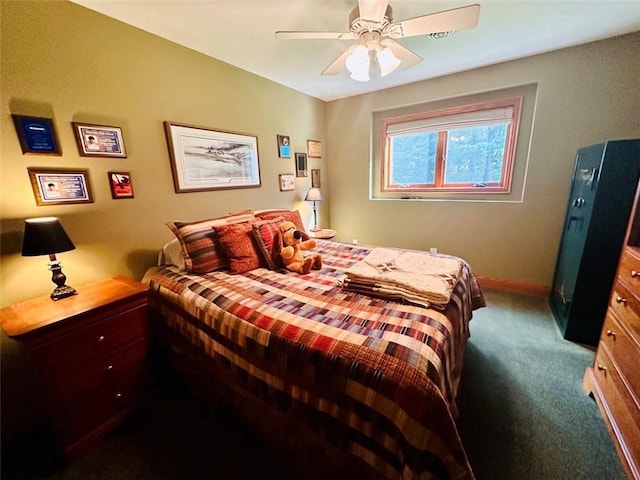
{"points": [[346, 384]]}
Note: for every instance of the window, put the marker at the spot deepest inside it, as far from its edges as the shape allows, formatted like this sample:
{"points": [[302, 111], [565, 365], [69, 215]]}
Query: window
{"points": [[469, 148]]}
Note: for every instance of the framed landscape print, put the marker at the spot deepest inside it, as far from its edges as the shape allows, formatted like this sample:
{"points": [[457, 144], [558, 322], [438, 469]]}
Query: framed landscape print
{"points": [[206, 159], [98, 140], [57, 186]]}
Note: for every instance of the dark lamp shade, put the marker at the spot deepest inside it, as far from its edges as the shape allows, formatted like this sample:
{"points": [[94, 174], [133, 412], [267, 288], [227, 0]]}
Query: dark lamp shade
{"points": [[314, 195], [44, 236]]}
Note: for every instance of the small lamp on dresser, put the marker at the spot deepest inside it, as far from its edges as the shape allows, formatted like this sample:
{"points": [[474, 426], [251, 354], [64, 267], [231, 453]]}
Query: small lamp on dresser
{"points": [[45, 236], [314, 195]]}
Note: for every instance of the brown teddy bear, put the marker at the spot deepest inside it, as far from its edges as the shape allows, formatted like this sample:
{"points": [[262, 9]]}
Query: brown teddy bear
{"points": [[289, 247]]}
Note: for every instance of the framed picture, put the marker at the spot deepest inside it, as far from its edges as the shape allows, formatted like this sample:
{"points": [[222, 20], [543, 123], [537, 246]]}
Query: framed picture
{"points": [[57, 186], [284, 146], [205, 159], [37, 135], [287, 182], [301, 164], [315, 178], [120, 183], [99, 140], [314, 149]]}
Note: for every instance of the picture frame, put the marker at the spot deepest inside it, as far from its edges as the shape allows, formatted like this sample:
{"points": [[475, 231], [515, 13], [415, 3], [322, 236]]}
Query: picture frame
{"points": [[37, 135], [204, 159], [284, 146], [301, 165], [120, 184], [314, 149], [59, 186], [315, 178], [287, 182], [99, 140]]}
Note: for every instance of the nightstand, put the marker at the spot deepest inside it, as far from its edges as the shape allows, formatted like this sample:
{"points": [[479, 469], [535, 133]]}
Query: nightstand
{"points": [[324, 233], [90, 353]]}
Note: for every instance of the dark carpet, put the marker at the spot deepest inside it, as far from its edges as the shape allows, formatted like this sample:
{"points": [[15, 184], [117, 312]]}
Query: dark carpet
{"points": [[524, 416]]}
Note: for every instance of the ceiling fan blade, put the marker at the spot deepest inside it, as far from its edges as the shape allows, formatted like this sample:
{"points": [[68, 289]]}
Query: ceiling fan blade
{"points": [[338, 64], [284, 35], [449, 20], [406, 56], [373, 10]]}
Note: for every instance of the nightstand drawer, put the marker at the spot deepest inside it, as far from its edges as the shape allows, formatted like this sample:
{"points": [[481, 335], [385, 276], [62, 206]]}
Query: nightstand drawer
{"points": [[106, 371], [89, 411], [626, 306], [66, 353]]}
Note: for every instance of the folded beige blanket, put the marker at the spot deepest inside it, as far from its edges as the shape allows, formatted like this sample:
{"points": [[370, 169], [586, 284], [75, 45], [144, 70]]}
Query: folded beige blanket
{"points": [[416, 277]]}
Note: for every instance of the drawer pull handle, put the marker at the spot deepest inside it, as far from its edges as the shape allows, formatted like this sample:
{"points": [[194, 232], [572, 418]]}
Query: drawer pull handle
{"points": [[118, 396], [602, 368], [110, 367], [101, 339], [620, 299], [634, 273], [611, 333]]}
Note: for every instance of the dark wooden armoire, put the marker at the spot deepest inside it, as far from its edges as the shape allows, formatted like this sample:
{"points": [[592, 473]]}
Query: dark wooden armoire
{"points": [[602, 191]]}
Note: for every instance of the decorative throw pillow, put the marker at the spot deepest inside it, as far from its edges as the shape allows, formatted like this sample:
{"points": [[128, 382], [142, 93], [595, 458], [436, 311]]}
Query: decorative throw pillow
{"points": [[264, 232], [239, 246], [287, 215], [200, 250]]}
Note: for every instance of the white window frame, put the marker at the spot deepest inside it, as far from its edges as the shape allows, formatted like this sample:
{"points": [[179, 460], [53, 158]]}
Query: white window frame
{"points": [[441, 121]]}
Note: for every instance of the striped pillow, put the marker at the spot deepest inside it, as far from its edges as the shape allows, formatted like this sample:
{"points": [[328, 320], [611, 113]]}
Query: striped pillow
{"points": [[200, 248], [264, 231], [288, 215]]}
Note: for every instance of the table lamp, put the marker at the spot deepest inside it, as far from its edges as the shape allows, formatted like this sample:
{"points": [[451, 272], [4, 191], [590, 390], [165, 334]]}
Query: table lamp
{"points": [[314, 195], [45, 236]]}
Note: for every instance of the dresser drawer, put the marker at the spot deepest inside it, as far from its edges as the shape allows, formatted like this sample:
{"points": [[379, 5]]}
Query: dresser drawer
{"points": [[626, 306], [629, 270], [618, 407], [104, 372], [623, 351], [65, 354]]}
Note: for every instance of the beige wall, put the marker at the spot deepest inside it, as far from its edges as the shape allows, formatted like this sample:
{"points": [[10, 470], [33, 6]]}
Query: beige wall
{"points": [[62, 61], [586, 95], [65, 62]]}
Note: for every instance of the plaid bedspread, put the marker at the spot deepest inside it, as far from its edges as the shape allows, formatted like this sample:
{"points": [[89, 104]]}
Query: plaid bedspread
{"points": [[377, 377]]}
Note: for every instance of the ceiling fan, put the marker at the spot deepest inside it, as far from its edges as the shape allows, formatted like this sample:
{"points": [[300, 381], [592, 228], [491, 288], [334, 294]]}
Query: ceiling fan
{"points": [[371, 23]]}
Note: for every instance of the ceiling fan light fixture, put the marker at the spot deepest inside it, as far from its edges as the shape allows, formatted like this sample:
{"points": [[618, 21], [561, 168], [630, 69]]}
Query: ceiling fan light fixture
{"points": [[358, 63], [387, 61]]}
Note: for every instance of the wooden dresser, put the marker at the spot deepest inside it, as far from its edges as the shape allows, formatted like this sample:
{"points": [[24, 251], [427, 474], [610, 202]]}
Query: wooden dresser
{"points": [[90, 353], [614, 378]]}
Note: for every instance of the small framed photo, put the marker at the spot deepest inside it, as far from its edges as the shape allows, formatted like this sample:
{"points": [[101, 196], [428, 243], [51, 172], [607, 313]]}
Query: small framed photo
{"points": [[58, 186], [314, 149], [99, 140], [120, 183], [206, 159], [284, 146], [287, 182], [301, 165], [37, 135], [315, 178]]}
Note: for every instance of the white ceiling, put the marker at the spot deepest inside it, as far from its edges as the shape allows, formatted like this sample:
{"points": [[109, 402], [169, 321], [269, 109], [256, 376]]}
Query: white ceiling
{"points": [[241, 33]]}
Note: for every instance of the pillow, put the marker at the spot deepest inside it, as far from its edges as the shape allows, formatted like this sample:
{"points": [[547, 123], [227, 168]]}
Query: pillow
{"points": [[287, 215], [239, 246], [199, 245], [171, 254], [264, 232]]}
